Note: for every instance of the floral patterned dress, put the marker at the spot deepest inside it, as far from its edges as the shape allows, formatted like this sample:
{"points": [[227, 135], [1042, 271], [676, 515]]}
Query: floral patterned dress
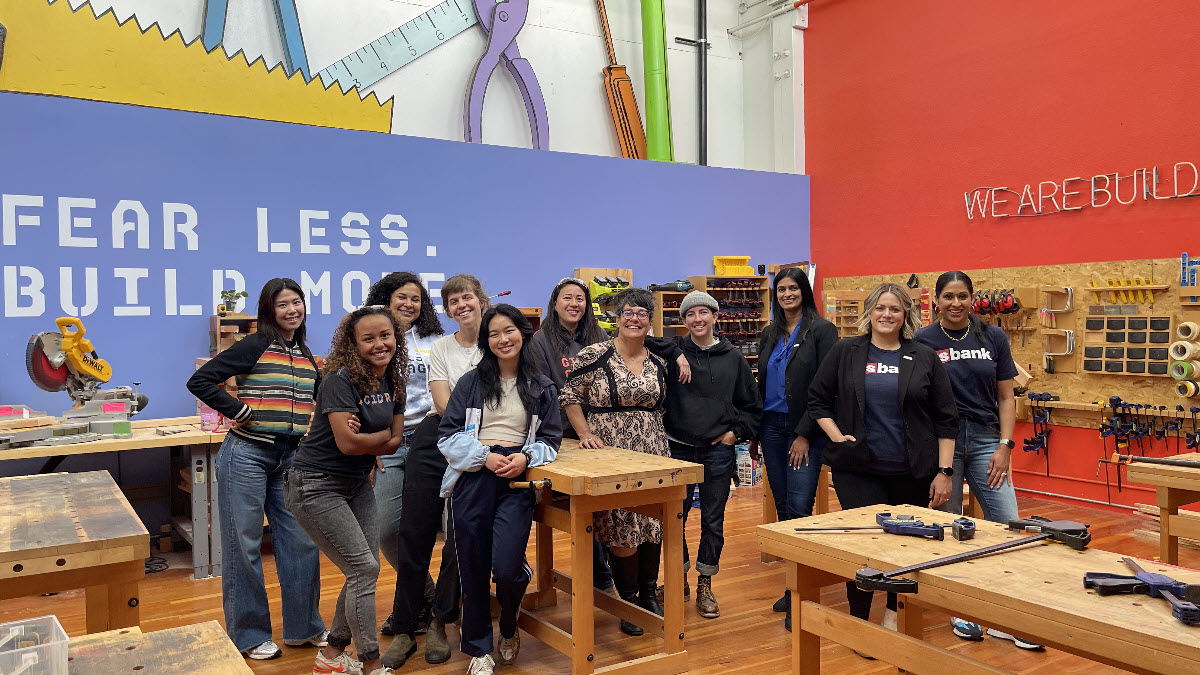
{"points": [[625, 410]]}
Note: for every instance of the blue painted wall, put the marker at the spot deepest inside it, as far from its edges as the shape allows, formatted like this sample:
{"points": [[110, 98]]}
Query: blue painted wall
{"points": [[519, 219]]}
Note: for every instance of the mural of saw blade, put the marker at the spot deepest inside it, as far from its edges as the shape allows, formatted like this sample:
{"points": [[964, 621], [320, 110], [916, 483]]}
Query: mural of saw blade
{"points": [[58, 51]]}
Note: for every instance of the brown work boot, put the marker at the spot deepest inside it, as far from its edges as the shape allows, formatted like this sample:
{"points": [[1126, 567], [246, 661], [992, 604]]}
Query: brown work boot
{"points": [[437, 647], [706, 602], [397, 653], [687, 591]]}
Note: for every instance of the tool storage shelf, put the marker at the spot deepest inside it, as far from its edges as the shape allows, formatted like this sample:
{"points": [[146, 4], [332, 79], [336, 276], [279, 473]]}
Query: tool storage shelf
{"points": [[753, 296], [1128, 345], [223, 331]]}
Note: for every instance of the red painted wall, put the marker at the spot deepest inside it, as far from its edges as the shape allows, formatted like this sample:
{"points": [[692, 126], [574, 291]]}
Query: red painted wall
{"points": [[910, 104]]}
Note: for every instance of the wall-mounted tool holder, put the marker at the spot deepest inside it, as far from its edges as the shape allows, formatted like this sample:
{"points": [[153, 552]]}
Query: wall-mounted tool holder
{"points": [[1059, 350], [1127, 345]]}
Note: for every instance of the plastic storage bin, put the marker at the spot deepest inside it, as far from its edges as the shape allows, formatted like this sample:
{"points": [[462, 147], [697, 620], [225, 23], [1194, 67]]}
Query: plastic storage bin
{"points": [[33, 647]]}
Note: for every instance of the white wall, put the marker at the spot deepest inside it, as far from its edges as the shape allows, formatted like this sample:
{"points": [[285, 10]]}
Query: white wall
{"points": [[561, 38]]}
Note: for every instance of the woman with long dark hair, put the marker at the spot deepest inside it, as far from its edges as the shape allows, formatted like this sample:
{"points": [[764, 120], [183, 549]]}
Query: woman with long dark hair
{"points": [[886, 403], [359, 416], [981, 368], [569, 325], [502, 419], [276, 376], [408, 300], [790, 350]]}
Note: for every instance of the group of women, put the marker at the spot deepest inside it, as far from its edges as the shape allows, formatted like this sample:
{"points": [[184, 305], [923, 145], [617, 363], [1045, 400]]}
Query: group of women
{"points": [[360, 456]]}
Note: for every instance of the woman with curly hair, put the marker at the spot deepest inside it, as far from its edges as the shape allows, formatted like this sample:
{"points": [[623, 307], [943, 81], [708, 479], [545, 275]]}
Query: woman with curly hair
{"points": [[359, 416], [406, 297], [501, 419]]}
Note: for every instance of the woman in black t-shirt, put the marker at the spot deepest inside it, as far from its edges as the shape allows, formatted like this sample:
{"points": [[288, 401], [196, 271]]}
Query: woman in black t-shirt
{"points": [[359, 416]]}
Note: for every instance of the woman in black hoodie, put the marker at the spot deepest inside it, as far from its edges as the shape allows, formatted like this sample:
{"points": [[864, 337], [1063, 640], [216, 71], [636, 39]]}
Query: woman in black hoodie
{"points": [[704, 420]]}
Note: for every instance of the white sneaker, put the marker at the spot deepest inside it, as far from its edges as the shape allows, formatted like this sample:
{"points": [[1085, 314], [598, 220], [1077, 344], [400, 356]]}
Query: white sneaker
{"points": [[342, 665], [320, 640], [481, 665], [264, 652], [1023, 644], [890, 619]]}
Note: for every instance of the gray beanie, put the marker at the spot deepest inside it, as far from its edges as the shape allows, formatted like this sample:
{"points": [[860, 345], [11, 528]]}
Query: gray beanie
{"points": [[698, 299]]}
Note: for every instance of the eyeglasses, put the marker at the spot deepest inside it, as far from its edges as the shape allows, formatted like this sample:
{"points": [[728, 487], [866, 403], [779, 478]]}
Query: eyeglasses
{"points": [[635, 314]]}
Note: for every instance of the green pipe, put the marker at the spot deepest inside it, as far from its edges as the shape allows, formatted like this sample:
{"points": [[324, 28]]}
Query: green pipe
{"points": [[658, 95]]}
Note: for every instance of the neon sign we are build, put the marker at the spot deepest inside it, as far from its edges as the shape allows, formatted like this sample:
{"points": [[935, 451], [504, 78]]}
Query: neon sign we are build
{"points": [[1075, 194]]}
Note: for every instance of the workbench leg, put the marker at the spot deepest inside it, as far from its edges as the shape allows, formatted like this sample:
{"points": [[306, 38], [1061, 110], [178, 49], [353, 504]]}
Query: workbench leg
{"points": [[822, 503], [673, 573], [583, 622], [543, 536], [115, 605], [198, 476], [806, 647], [911, 619], [214, 512], [769, 515], [1168, 544]]}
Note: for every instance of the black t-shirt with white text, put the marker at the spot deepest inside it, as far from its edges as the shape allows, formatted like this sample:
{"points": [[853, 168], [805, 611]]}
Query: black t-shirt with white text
{"points": [[318, 452], [884, 418], [974, 368]]}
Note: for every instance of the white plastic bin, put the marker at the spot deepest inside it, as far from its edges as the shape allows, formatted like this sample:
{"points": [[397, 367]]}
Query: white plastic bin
{"points": [[33, 647]]}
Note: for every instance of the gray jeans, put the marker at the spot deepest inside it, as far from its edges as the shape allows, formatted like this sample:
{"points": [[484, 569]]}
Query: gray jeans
{"points": [[339, 514]]}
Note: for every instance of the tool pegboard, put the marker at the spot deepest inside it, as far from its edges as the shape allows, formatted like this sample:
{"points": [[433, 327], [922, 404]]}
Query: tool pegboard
{"points": [[1132, 292]]}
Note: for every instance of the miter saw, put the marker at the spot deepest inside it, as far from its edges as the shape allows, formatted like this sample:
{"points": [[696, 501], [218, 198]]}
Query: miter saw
{"points": [[66, 361]]}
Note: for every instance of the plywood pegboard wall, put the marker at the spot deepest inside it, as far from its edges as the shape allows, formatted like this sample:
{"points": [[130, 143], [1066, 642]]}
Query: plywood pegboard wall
{"points": [[1078, 386]]}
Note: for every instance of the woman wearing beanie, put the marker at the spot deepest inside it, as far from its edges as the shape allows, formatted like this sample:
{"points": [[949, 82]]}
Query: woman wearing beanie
{"points": [[790, 350], [886, 403], [704, 420]]}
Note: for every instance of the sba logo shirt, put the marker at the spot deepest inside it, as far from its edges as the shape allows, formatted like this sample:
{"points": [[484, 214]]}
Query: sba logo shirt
{"points": [[884, 420]]}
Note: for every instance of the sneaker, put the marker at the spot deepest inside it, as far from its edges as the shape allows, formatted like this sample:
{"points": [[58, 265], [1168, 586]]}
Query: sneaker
{"points": [[508, 649], [1023, 644], [316, 641], [784, 603], [706, 602], [264, 652], [481, 665], [966, 630], [343, 664]]}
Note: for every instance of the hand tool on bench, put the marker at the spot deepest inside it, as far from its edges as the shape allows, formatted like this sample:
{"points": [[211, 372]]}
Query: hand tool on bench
{"points": [[1183, 597], [906, 525], [621, 100], [502, 22], [1068, 532], [1165, 461], [540, 484]]}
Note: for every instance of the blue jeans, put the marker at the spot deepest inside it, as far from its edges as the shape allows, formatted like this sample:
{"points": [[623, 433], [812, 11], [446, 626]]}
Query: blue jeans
{"points": [[720, 464], [972, 451], [389, 491], [249, 484], [794, 489]]}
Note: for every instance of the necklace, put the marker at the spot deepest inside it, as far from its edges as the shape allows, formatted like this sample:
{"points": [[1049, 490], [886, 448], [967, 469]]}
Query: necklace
{"points": [[956, 339]]}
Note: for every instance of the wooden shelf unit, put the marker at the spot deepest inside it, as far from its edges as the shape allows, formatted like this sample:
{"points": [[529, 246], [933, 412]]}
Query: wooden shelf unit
{"points": [[713, 285]]}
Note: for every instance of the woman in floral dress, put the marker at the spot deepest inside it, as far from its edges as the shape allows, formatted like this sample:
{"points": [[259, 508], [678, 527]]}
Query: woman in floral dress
{"points": [[623, 387]]}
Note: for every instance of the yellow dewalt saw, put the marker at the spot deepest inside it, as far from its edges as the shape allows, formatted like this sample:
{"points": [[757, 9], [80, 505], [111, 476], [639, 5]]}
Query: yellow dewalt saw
{"points": [[67, 361]]}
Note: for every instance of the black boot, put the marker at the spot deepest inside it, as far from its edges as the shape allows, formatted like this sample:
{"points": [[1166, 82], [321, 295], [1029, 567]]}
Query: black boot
{"points": [[625, 574], [648, 556]]}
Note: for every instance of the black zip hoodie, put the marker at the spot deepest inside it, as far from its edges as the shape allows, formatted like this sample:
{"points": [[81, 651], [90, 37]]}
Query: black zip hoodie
{"points": [[722, 396]]}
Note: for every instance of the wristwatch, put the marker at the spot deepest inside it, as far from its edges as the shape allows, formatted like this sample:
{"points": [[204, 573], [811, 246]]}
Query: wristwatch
{"points": [[947, 470], [1008, 442]]}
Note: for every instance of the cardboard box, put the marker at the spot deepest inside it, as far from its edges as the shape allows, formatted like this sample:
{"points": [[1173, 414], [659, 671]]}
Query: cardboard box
{"points": [[749, 471]]}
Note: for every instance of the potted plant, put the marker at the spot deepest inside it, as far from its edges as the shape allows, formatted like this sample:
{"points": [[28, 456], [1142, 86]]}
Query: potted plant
{"points": [[229, 300]]}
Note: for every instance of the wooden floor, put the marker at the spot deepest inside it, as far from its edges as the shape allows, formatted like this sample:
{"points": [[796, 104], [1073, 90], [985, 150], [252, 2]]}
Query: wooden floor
{"points": [[748, 637]]}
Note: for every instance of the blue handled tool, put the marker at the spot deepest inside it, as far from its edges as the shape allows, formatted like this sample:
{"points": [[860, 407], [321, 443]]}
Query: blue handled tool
{"points": [[906, 525], [1183, 597]]}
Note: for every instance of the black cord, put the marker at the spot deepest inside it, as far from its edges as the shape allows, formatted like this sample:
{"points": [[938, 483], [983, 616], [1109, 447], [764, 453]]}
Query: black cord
{"points": [[155, 564]]}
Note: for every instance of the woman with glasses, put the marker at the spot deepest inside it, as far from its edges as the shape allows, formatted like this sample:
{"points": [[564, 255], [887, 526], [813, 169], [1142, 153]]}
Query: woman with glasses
{"points": [[623, 386]]}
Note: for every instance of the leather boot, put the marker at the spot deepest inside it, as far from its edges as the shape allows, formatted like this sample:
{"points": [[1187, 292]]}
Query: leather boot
{"points": [[648, 556], [437, 647], [706, 602], [624, 572], [397, 653]]}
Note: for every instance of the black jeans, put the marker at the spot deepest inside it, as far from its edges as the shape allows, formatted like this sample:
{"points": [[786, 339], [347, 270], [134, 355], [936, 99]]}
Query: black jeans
{"points": [[855, 490], [719, 463], [420, 518]]}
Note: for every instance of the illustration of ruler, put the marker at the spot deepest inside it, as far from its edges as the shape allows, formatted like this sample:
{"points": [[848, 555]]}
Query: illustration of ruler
{"points": [[407, 43]]}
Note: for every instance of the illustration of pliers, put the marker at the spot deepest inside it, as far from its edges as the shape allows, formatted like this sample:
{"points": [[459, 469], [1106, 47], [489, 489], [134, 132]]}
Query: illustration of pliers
{"points": [[502, 22]]}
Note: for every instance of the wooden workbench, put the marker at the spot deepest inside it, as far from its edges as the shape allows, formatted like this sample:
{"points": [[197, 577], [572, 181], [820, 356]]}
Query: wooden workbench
{"points": [[598, 480], [1176, 486], [62, 531], [203, 529], [1036, 592], [198, 649]]}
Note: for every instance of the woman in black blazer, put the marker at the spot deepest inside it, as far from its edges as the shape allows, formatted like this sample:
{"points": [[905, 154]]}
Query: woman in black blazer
{"points": [[887, 406], [790, 351]]}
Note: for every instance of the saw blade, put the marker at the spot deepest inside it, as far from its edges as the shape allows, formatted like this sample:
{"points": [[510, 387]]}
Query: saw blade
{"points": [[405, 44], [41, 371]]}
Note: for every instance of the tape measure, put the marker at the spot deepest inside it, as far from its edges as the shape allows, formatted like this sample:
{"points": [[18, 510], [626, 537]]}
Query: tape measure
{"points": [[407, 43]]}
